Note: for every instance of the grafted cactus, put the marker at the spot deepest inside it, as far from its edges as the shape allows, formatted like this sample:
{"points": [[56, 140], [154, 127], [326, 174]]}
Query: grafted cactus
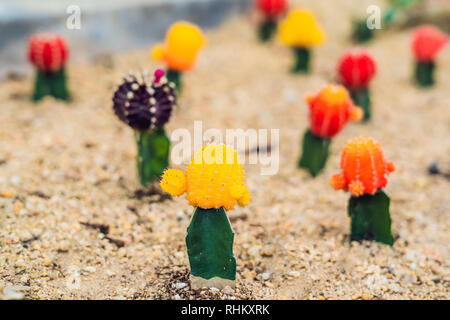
{"points": [[213, 183], [356, 69], [364, 174], [179, 51], [48, 52], [301, 32], [146, 107], [271, 11], [426, 43], [329, 111]]}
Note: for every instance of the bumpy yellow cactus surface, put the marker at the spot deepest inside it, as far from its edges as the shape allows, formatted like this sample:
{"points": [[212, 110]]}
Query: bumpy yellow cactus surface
{"points": [[300, 29], [214, 179], [182, 43]]}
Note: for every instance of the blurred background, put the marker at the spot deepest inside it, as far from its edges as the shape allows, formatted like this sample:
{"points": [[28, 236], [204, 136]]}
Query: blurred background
{"points": [[106, 25]]}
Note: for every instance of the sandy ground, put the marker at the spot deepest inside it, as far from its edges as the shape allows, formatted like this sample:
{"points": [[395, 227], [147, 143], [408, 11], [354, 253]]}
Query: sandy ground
{"points": [[63, 165]]}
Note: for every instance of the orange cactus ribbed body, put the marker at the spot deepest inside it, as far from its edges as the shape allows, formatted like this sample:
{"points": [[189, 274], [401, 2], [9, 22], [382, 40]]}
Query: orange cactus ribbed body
{"points": [[364, 168], [330, 110]]}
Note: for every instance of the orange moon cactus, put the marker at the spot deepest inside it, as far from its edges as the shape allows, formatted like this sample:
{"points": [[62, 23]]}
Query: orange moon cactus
{"points": [[330, 109], [364, 168], [364, 174]]}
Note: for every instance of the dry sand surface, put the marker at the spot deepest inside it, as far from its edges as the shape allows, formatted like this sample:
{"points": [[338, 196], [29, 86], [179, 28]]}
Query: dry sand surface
{"points": [[63, 165]]}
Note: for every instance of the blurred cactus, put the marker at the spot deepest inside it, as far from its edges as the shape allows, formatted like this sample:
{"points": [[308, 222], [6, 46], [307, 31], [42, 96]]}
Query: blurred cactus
{"points": [[180, 49], [356, 69], [364, 173], [329, 111], [271, 11], [427, 41], [48, 52], [301, 32], [146, 107], [214, 181], [361, 32]]}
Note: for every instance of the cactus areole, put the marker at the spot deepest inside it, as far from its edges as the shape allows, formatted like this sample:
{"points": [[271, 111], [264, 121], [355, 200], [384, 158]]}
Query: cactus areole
{"points": [[48, 52], [329, 111], [213, 183], [356, 69], [427, 41], [364, 174], [146, 107]]}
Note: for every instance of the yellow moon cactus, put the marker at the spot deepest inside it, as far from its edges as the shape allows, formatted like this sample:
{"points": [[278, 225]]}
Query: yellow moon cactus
{"points": [[214, 179], [182, 43], [300, 29]]}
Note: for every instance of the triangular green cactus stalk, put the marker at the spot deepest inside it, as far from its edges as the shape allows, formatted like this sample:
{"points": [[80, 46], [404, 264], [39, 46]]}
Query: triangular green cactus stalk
{"points": [[209, 242], [361, 32], [361, 97], [152, 154], [175, 77], [267, 29], [424, 73], [51, 84], [302, 60], [213, 183], [315, 152], [370, 218]]}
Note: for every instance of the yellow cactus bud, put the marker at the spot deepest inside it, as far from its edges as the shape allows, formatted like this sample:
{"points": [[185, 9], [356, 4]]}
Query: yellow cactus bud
{"points": [[215, 178], [174, 182]]}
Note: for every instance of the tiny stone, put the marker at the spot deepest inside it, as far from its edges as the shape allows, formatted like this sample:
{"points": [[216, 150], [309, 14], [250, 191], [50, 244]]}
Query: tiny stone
{"points": [[179, 285], [265, 276]]}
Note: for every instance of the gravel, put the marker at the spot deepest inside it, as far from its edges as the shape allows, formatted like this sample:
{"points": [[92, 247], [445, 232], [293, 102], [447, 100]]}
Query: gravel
{"points": [[64, 165]]}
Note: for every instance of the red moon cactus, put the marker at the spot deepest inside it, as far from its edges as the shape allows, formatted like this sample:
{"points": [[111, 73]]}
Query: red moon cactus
{"points": [[427, 41], [47, 51], [271, 11], [356, 68], [329, 111], [364, 168], [272, 8]]}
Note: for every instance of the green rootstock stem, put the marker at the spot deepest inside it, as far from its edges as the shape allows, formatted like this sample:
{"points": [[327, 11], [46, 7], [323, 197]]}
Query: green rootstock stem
{"points": [[175, 77], [314, 153], [370, 218], [361, 97], [424, 73], [361, 33], [153, 154], [267, 29], [302, 60], [209, 243], [51, 84]]}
